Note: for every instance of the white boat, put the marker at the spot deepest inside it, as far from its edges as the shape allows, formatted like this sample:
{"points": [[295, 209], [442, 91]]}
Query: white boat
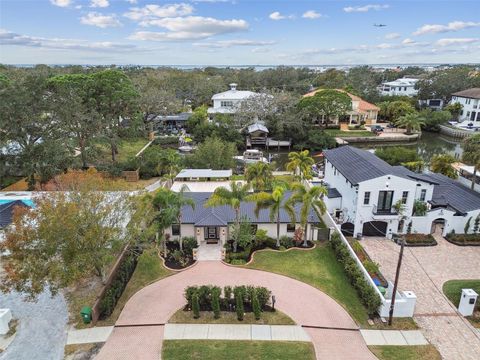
{"points": [[251, 156], [186, 148]]}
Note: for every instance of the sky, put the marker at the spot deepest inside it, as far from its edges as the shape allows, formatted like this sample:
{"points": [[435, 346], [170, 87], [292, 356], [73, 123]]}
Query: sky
{"points": [[238, 32]]}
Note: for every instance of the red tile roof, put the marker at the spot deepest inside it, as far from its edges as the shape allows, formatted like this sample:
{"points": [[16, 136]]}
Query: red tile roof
{"points": [[362, 104]]}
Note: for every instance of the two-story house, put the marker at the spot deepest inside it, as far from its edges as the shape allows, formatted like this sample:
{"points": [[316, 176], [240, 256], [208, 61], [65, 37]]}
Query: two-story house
{"points": [[228, 102], [365, 194], [404, 86], [470, 101]]}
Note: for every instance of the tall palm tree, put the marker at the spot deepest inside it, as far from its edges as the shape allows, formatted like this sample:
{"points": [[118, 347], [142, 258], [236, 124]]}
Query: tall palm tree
{"points": [[259, 175], [412, 122], [233, 197], [443, 164], [168, 209], [471, 155], [274, 202], [301, 164], [311, 199]]}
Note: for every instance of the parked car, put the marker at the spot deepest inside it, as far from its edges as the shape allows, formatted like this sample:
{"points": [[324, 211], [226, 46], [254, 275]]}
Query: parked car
{"points": [[376, 129]]}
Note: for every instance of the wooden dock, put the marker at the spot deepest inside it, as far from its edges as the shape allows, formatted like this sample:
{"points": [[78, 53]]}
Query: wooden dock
{"points": [[271, 143]]}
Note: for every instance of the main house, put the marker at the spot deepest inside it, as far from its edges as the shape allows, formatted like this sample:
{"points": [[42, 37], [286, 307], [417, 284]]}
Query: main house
{"points": [[362, 111], [363, 191], [212, 224], [400, 87], [228, 102], [470, 101]]}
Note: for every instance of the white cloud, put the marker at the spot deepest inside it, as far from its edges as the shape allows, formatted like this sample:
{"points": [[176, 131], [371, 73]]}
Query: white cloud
{"points": [[99, 20], [152, 12], [133, 2], [365, 8], [407, 41], [277, 16], [451, 26], [11, 38], [456, 41], [99, 3], [311, 14], [392, 36], [230, 43], [61, 3]]}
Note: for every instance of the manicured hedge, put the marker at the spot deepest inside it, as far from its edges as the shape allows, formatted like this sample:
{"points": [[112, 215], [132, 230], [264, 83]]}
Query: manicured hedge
{"points": [[365, 291], [464, 239]]}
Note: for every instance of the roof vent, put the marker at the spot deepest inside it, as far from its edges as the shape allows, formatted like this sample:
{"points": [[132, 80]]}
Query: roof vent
{"points": [[233, 86]]}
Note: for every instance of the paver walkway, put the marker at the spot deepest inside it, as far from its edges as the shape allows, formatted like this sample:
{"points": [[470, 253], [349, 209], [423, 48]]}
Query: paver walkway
{"points": [[207, 252], [306, 305], [424, 270]]}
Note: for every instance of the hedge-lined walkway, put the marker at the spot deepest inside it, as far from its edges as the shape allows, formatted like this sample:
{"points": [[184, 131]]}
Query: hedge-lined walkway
{"points": [[424, 270], [306, 305]]}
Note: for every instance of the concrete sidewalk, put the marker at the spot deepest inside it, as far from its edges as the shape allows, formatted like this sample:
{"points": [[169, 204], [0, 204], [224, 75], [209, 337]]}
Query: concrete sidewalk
{"points": [[393, 337], [235, 332], [91, 335]]}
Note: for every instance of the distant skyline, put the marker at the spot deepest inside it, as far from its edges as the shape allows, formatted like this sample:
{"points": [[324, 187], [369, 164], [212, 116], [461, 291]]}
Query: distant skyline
{"points": [[237, 32]]}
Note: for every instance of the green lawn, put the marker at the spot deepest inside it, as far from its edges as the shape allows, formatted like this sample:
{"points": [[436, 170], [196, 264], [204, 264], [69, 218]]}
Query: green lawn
{"points": [[236, 350], [149, 269], [319, 268], [206, 317], [453, 289], [353, 133], [127, 149], [420, 352]]}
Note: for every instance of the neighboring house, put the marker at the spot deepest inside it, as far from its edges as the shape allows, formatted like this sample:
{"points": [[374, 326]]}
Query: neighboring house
{"points": [[434, 104], [177, 121], [403, 87], [465, 175], [201, 180], [6, 213], [212, 224], [470, 100], [363, 190], [228, 102], [362, 111]]}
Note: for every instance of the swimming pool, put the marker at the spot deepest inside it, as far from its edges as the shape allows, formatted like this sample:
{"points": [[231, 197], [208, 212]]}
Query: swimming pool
{"points": [[27, 202]]}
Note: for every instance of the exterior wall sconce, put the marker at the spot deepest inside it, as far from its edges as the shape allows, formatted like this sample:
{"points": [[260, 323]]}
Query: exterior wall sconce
{"points": [[198, 231]]}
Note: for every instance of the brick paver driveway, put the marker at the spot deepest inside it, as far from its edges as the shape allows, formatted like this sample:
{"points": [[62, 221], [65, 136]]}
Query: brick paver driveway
{"points": [[424, 270], [155, 304]]}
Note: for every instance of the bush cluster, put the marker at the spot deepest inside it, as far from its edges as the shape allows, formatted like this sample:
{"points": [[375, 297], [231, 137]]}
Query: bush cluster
{"points": [[367, 294], [261, 242], [239, 299], [118, 284], [464, 238]]}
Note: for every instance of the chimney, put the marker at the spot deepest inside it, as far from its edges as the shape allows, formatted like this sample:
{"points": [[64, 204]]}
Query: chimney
{"points": [[233, 86]]}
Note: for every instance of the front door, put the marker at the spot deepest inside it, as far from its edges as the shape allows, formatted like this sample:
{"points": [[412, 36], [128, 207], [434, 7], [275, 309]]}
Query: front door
{"points": [[211, 234], [385, 201]]}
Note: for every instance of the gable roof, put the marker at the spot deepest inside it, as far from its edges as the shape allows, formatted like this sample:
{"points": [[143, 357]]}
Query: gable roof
{"points": [[223, 215], [473, 93], [257, 127], [6, 212]]}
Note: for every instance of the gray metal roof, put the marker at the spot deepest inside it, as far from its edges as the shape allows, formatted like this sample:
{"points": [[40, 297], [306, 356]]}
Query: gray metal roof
{"points": [[257, 127], [451, 193], [222, 215], [333, 193], [6, 212], [204, 173]]}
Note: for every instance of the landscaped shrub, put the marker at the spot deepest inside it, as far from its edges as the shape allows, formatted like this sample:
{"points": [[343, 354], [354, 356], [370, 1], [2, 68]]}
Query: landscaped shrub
{"points": [[366, 292], [188, 294], [204, 296], [256, 306], [195, 306], [371, 266], [239, 303], [189, 243], [420, 208], [168, 140], [286, 242], [464, 238], [263, 295], [216, 302], [119, 283], [238, 262]]}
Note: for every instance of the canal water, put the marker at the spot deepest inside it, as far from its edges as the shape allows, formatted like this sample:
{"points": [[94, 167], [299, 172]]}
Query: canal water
{"points": [[427, 146]]}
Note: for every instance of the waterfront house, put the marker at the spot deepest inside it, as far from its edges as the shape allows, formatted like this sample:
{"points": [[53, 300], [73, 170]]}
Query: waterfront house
{"points": [[470, 101], [228, 102], [363, 191], [212, 224], [400, 87], [362, 111]]}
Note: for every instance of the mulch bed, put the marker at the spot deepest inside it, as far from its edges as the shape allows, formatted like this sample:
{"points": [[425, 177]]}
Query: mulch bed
{"points": [[416, 240], [464, 240], [172, 264]]}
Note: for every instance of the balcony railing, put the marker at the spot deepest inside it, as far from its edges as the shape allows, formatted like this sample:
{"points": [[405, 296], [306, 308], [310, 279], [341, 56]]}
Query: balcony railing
{"points": [[386, 212]]}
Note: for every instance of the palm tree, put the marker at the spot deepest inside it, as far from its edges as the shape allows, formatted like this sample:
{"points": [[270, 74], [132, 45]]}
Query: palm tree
{"points": [[311, 199], [301, 164], [471, 155], [233, 197], [274, 202], [443, 164], [259, 175], [412, 122], [168, 209]]}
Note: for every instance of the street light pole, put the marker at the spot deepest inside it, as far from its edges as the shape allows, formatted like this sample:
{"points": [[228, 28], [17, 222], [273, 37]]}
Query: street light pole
{"points": [[397, 275]]}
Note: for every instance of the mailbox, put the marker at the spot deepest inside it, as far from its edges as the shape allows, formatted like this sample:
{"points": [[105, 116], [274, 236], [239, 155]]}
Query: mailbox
{"points": [[468, 299]]}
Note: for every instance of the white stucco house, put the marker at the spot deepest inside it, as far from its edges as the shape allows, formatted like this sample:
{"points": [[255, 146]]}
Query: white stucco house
{"points": [[211, 225], [228, 102], [404, 86], [363, 189], [470, 101]]}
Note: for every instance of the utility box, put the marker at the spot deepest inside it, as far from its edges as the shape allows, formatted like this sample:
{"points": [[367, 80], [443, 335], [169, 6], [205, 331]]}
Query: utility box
{"points": [[467, 302], [5, 317]]}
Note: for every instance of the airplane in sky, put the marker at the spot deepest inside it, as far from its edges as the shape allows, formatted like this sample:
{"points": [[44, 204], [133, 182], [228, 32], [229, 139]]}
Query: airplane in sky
{"points": [[379, 25]]}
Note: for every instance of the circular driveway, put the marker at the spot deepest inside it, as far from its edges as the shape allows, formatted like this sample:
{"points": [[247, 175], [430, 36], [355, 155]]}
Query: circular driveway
{"points": [[141, 331]]}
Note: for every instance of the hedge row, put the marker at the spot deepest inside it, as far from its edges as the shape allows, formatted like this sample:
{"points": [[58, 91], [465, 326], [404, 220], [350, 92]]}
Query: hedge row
{"points": [[118, 284], [365, 291]]}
